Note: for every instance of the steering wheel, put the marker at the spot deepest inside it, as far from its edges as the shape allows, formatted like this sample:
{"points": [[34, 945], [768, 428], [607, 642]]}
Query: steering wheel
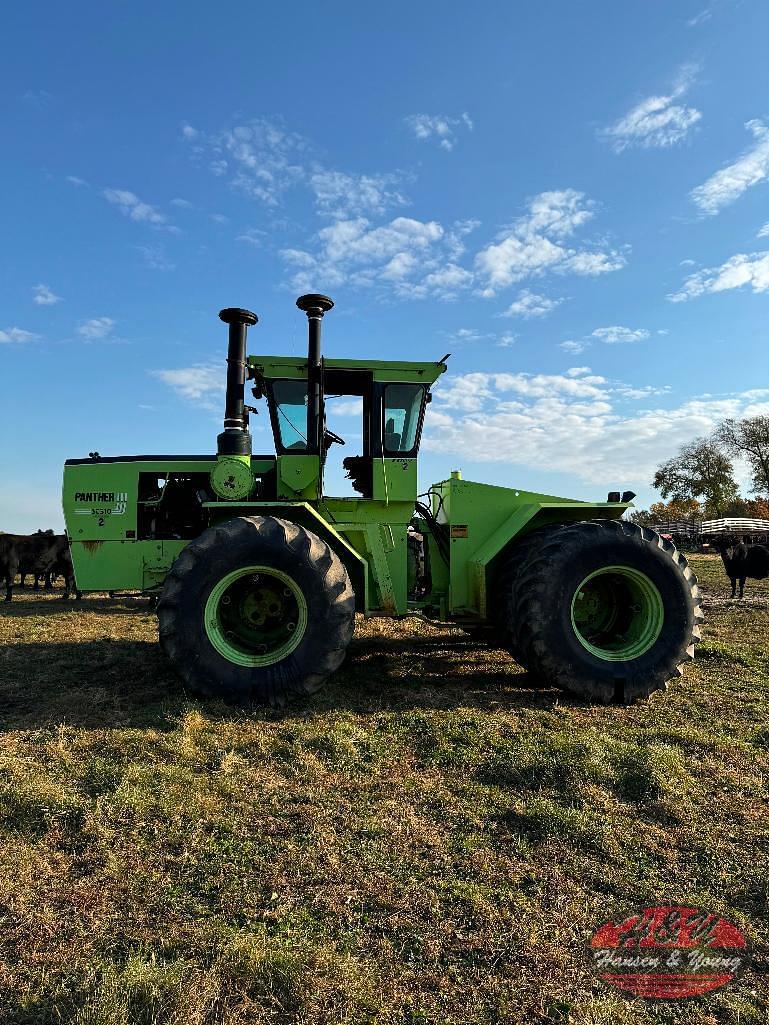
{"points": [[329, 437]]}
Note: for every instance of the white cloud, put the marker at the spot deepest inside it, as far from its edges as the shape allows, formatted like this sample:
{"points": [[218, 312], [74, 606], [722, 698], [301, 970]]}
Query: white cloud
{"points": [[202, 383], [592, 264], [17, 334], [96, 328], [44, 296], [699, 19], [258, 156], [438, 127], [74, 180], [534, 244], [253, 236], [155, 258], [473, 336], [739, 270], [344, 407], [445, 283], [412, 257], [342, 195], [188, 132], [183, 204], [39, 98], [264, 160], [464, 335], [657, 121], [219, 218], [416, 259], [577, 423], [529, 304], [764, 230], [728, 184], [617, 335], [135, 208], [614, 335]]}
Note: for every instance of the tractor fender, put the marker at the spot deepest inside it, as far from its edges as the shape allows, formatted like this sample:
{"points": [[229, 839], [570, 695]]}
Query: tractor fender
{"points": [[526, 518], [307, 516]]}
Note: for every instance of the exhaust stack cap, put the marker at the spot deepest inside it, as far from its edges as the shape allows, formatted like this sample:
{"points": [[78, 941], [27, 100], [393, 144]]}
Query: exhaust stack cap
{"points": [[315, 305], [233, 315]]}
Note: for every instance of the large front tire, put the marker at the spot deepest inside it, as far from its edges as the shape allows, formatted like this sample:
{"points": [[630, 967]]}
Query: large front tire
{"points": [[607, 610], [257, 609]]}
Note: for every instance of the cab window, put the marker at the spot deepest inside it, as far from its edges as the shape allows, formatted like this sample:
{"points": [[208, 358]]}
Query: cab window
{"points": [[291, 414], [402, 417]]}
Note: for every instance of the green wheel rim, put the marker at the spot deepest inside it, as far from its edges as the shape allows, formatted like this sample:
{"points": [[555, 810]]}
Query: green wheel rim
{"points": [[255, 616], [617, 613]]}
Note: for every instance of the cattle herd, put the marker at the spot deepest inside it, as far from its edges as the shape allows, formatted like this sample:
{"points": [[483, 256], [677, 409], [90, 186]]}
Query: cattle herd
{"points": [[43, 555]]}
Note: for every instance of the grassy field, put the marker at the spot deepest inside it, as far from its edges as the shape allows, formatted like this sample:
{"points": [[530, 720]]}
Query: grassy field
{"points": [[432, 839]]}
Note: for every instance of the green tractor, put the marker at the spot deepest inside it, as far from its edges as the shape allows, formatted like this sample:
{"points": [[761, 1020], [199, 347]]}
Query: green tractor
{"points": [[259, 573]]}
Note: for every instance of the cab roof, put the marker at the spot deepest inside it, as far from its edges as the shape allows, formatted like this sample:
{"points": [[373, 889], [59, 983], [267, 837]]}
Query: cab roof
{"points": [[276, 367]]}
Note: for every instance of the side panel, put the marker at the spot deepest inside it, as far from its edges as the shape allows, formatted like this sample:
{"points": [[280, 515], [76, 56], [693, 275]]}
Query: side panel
{"points": [[377, 530], [122, 565], [101, 503], [394, 479], [298, 476]]}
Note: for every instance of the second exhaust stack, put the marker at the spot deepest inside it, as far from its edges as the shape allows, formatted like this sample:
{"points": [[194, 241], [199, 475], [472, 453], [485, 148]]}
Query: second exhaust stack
{"points": [[314, 306]]}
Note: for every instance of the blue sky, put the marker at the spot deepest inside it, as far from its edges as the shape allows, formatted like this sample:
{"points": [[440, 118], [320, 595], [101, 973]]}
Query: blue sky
{"points": [[570, 198]]}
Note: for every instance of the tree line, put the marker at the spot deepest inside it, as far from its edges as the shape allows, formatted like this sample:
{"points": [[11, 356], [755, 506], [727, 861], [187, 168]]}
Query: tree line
{"points": [[699, 481]]}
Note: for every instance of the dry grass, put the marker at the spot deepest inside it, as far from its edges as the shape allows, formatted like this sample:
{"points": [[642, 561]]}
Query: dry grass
{"points": [[430, 840]]}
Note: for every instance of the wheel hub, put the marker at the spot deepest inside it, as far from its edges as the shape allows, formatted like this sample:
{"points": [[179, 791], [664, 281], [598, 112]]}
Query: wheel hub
{"points": [[255, 616], [617, 613]]}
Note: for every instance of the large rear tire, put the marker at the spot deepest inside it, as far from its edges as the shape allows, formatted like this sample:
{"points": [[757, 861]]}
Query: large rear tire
{"points": [[257, 609], [505, 629], [605, 609]]}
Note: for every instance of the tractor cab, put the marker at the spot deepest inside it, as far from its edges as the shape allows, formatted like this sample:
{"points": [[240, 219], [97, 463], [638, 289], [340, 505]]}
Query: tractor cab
{"points": [[392, 398]]}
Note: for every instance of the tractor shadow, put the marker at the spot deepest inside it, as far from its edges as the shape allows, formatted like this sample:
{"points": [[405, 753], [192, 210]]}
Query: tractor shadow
{"points": [[58, 667]]}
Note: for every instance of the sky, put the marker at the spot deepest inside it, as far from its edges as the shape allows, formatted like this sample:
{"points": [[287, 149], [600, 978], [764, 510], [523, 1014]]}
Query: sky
{"points": [[571, 199]]}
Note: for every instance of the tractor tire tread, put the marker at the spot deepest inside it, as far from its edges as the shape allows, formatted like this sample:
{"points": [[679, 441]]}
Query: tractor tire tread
{"points": [[531, 613]]}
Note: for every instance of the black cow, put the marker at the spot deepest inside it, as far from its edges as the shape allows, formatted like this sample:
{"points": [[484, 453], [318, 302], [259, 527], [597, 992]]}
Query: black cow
{"points": [[741, 561], [27, 566], [63, 567], [38, 552]]}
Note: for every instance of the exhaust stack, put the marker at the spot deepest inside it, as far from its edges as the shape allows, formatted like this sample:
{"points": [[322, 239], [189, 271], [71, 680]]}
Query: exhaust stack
{"points": [[314, 306], [235, 439]]}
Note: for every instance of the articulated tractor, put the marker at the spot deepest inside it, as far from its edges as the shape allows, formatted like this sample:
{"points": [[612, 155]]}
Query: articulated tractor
{"points": [[259, 573]]}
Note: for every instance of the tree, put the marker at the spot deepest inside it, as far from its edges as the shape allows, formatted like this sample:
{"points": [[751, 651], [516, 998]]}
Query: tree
{"points": [[757, 508], [662, 512], [701, 470], [748, 438], [753, 508], [677, 509]]}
